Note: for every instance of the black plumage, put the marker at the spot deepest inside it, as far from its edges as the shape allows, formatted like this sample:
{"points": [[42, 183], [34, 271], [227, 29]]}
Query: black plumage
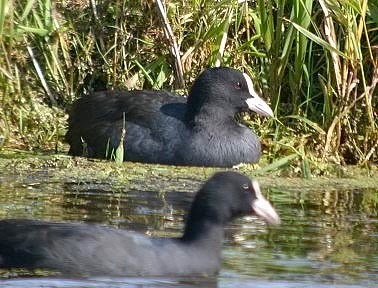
{"points": [[84, 249], [162, 128]]}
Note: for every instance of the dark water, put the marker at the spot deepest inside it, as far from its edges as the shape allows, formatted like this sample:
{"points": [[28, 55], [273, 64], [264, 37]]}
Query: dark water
{"points": [[329, 237]]}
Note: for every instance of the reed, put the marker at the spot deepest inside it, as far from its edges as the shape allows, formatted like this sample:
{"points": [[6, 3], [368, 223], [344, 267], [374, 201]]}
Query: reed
{"points": [[316, 62]]}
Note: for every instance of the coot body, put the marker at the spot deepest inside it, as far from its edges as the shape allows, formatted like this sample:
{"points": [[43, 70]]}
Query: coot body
{"points": [[161, 127], [84, 249]]}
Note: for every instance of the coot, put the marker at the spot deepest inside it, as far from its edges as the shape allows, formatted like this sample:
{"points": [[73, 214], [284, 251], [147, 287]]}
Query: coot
{"points": [[162, 128], [83, 249]]}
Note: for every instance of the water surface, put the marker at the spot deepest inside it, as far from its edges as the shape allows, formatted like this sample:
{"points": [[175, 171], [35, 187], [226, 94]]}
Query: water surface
{"points": [[328, 236]]}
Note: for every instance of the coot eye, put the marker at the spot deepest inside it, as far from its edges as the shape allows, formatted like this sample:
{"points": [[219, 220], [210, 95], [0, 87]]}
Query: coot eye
{"points": [[237, 85], [245, 186]]}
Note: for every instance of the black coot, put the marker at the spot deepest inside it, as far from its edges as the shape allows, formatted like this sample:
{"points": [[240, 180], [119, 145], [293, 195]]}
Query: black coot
{"points": [[82, 249], [162, 128]]}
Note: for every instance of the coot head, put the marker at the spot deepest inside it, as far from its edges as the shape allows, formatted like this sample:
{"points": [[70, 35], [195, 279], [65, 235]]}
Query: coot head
{"points": [[225, 196], [225, 87]]}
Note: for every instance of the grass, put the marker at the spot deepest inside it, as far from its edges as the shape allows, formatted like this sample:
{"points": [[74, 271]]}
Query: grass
{"points": [[316, 62]]}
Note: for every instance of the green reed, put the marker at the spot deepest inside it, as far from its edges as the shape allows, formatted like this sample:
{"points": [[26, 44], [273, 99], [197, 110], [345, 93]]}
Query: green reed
{"points": [[316, 62]]}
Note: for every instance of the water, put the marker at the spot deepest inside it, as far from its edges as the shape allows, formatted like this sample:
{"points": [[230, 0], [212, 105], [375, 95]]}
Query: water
{"points": [[329, 236]]}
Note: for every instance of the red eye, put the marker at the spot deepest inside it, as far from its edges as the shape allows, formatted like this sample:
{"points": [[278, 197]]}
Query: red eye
{"points": [[237, 85]]}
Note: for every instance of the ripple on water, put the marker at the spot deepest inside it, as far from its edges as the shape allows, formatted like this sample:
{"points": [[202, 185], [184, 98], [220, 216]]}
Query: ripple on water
{"points": [[327, 237]]}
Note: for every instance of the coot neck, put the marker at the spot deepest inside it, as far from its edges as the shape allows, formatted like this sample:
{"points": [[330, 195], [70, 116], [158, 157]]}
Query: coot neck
{"points": [[212, 116], [205, 221], [205, 234], [205, 102]]}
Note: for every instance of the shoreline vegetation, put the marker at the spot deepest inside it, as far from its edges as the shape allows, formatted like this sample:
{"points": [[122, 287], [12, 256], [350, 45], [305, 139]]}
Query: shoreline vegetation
{"points": [[316, 63], [64, 168]]}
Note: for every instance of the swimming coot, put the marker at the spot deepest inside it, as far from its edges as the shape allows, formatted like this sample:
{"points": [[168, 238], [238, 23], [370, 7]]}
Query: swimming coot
{"points": [[83, 249], [162, 128]]}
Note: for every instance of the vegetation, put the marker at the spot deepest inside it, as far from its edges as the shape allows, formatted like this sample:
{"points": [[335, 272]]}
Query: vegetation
{"points": [[315, 61]]}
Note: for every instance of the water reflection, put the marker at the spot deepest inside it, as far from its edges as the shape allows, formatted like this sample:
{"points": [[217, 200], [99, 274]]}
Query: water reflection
{"points": [[328, 236], [111, 283]]}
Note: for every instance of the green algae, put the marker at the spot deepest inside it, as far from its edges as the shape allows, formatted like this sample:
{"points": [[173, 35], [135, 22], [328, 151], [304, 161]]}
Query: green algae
{"points": [[61, 167]]}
